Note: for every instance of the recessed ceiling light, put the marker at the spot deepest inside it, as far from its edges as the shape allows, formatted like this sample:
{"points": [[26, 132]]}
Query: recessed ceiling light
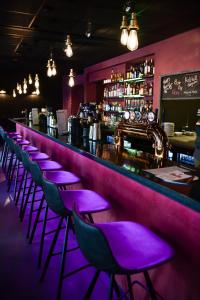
{"points": [[2, 92]]}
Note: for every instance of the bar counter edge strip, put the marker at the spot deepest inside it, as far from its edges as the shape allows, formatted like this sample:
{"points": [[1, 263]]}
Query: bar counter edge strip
{"points": [[183, 199]]}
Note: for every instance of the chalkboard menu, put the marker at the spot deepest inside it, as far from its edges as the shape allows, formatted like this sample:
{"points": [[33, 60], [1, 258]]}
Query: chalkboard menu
{"points": [[181, 86]]}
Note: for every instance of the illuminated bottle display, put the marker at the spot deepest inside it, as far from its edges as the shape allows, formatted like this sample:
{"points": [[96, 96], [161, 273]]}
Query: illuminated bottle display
{"points": [[132, 91]]}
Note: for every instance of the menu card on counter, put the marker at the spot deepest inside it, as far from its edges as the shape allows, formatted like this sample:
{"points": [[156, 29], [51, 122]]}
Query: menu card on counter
{"points": [[170, 173]]}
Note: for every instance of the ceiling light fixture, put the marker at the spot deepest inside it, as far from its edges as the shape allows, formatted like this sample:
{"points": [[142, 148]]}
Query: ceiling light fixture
{"points": [[30, 81], [132, 42], [37, 84], [129, 35], [20, 89], [89, 29], [68, 49], [2, 92], [51, 67], [14, 93], [124, 34], [71, 78], [25, 86]]}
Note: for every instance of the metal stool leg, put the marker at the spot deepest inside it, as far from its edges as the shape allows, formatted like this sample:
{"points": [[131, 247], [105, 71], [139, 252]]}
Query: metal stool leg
{"points": [[16, 181], [36, 220], [31, 211], [91, 286], [10, 179], [63, 259], [20, 187], [51, 250], [42, 237], [24, 203], [2, 152], [150, 286], [130, 287], [8, 170], [111, 287]]}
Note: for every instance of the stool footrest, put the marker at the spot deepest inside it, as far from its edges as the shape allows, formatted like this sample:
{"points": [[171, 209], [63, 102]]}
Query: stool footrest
{"points": [[77, 270]]}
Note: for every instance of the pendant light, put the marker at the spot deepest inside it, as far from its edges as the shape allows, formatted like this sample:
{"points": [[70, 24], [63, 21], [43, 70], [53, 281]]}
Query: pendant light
{"points": [[51, 67], [71, 78], [14, 93], [68, 49], [132, 42], [49, 72], [30, 81], [37, 84], [124, 34], [20, 89]]}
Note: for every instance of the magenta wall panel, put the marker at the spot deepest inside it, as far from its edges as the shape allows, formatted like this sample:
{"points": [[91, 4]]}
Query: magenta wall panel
{"points": [[130, 200]]}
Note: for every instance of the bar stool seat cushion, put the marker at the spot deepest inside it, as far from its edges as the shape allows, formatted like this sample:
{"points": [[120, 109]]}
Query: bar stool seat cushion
{"points": [[49, 165], [135, 247], [30, 149], [38, 156], [22, 142], [16, 137], [11, 133], [61, 177], [87, 201]]}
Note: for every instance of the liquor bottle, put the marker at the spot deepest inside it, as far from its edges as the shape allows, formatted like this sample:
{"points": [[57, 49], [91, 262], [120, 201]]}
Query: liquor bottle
{"points": [[152, 69], [149, 68], [150, 89], [141, 91], [146, 68], [141, 70], [112, 76]]}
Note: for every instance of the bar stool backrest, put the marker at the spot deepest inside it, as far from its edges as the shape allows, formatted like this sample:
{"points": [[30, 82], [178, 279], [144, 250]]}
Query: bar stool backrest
{"points": [[94, 245], [18, 152], [36, 173], [53, 198], [26, 161], [10, 144]]}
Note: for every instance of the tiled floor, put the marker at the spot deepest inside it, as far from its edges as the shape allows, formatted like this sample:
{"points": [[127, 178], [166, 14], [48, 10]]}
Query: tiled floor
{"points": [[19, 276]]}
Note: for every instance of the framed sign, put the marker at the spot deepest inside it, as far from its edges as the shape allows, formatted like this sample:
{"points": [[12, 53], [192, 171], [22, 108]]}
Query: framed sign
{"points": [[181, 86]]}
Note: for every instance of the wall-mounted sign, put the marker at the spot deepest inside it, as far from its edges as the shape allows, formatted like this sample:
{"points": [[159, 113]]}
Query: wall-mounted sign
{"points": [[181, 86]]}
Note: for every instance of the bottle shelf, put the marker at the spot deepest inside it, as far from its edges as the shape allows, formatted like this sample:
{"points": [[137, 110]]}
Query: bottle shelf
{"points": [[113, 98], [134, 96], [128, 96], [134, 80]]}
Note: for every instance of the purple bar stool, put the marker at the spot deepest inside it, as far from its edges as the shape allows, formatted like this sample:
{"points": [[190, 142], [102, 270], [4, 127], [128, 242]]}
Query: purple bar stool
{"points": [[30, 149], [62, 179], [34, 156], [124, 248], [22, 142], [61, 202], [45, 165]]}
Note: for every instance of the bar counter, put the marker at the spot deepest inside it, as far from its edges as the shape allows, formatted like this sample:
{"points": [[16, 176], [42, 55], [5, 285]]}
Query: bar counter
{"points": [[170, 214]]}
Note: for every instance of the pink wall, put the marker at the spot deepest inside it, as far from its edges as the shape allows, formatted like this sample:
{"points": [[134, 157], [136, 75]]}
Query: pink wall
{"points": [[176, 54], [130, 200], [73, 96]]}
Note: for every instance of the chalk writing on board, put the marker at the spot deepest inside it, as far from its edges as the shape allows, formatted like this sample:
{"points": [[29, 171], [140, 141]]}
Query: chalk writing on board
{"points": [[181, 86]]}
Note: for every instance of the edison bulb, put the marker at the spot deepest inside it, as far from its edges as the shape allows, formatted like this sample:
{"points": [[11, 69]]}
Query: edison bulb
{"points": [[49, 72], [14, 93], [132, 43], [37, 92], [37, 84], [69, 51], [54, 69], [124, 36], [71, 81], [30, 81]]}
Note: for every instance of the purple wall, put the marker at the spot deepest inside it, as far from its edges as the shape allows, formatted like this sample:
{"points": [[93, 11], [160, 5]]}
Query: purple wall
{"points": [[130, 200]]}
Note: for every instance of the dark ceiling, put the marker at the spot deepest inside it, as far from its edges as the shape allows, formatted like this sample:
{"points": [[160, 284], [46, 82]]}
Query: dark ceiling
{"points": [[29, 29]]}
